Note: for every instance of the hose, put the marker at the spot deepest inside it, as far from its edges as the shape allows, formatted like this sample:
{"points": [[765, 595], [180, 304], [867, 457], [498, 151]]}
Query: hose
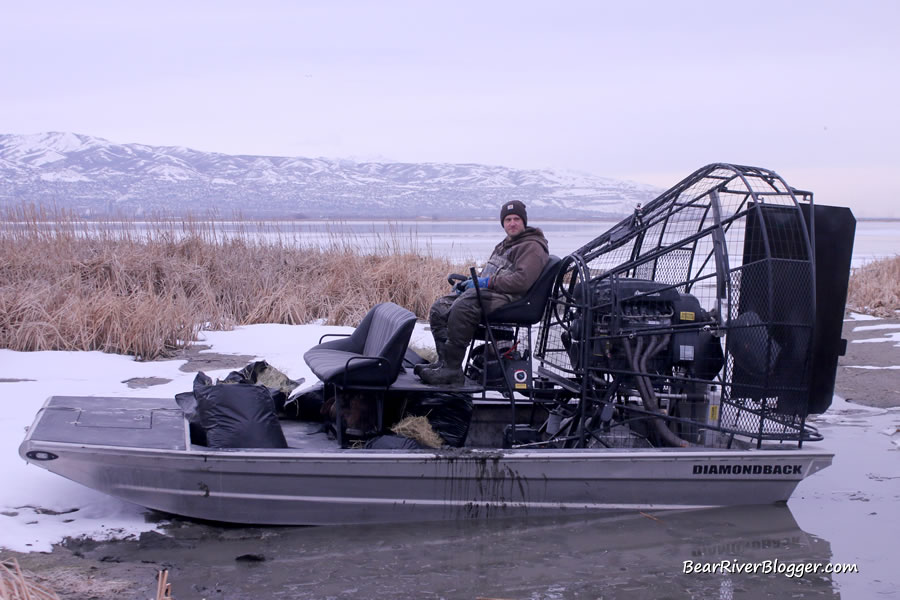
{"points": [[638, 362]]}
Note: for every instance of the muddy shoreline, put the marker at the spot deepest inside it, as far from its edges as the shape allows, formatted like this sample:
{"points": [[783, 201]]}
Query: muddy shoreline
{"points": [[878, 386], [87, 569]]}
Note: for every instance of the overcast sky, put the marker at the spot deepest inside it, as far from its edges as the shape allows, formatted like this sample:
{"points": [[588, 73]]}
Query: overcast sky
{"points": [[647, 91]]}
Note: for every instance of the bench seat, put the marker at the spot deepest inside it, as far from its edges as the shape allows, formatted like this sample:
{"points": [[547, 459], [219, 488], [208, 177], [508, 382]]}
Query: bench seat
{"points": [[371, 356]]}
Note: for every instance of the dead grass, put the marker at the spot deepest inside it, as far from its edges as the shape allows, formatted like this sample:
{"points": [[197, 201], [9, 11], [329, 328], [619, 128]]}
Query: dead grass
{"points": [[16, 584], [146, 291], [420, 430], [875, 288]]}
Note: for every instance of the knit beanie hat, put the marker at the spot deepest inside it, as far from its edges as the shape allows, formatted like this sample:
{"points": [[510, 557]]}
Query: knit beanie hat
{"points": [[514, 207]]}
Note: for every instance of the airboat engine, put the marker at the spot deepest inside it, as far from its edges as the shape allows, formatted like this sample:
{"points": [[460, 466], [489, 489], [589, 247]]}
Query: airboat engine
{"points": [[627, 312], [660, 343]]}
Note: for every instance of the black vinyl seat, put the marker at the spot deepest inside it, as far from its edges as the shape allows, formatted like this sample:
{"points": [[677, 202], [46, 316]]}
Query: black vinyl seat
{"points": [[371, 358], [372, 355], [529, 309]]}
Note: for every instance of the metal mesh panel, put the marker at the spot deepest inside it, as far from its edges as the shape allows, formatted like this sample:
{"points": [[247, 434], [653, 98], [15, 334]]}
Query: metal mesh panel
{"points": [[708, 290]]}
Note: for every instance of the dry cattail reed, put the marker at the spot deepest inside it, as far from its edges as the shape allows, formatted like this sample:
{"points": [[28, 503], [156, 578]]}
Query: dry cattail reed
{"points": [[875, 288], [146, 289]]}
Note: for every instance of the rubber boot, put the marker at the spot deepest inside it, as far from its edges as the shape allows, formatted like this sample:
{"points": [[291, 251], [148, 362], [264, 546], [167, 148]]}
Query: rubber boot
{"points": [[439, 346], [450, 373]]}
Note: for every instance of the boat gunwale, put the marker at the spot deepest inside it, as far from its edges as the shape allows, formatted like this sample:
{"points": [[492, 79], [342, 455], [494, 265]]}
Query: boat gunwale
{"points": [[425, 455], [476, 454]]}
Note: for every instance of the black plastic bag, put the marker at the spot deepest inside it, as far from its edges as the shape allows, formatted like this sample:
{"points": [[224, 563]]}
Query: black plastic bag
{"points": [[234, 415], [188, 405], [449, 415], [307, 404], [262, 373]]}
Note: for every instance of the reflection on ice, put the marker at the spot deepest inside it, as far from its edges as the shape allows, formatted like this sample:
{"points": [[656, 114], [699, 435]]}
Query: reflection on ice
{"points": [[854, 503], [620, 556]]}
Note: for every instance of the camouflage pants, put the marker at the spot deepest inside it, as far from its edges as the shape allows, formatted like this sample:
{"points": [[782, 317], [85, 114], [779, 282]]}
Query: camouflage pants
{"points": [[454, 318]]}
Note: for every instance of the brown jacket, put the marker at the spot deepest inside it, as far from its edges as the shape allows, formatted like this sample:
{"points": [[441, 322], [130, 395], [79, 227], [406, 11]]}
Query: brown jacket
{"points": [[517, 262]]}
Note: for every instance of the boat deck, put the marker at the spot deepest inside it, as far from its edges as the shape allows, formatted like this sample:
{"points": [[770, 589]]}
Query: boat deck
{"points": [[154, 423], [305, 435]]}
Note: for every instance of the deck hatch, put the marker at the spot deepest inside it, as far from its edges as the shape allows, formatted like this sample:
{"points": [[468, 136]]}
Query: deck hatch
{"points": [[146, 425], [118, 418]]}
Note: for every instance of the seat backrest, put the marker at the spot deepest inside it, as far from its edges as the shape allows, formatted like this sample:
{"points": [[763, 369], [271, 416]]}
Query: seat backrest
{"points": [[389, 328], [529, 309]]}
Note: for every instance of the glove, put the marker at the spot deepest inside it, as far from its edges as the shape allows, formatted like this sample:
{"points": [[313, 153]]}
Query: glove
{"points": [[482, 283]]}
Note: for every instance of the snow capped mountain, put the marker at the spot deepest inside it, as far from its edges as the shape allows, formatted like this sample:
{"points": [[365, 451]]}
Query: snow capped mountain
{"points": [[93, 176]]}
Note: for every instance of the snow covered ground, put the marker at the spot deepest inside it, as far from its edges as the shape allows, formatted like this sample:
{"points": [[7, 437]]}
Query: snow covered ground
{"points": [[38, 508]]}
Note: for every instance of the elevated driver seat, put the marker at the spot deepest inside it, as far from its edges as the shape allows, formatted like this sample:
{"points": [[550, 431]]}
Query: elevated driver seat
{"points": [[507, 324]]}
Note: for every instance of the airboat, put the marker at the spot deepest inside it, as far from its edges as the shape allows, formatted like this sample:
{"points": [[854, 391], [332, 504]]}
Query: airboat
{"points": [[671, 363]]}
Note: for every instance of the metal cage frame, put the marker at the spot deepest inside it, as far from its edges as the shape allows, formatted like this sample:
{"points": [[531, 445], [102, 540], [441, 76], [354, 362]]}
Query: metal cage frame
{"points": [[734, 238]]}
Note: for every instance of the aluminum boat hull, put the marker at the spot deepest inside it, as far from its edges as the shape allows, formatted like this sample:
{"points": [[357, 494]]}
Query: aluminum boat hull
{"points": [[139, 450]]}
